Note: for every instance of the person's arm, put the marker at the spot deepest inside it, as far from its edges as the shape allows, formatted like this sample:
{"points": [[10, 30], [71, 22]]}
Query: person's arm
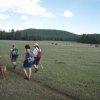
{"points": [[11, 53], [23, 55], [17, 52]]}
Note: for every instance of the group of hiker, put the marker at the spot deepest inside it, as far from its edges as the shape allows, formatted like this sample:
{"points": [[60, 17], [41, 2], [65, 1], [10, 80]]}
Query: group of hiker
{"points": [[32, 58]]}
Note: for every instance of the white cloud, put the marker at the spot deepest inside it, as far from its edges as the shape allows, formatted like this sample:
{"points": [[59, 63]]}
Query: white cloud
{"points": [[24, 6], [67, 13], [4, 16], [27, 24], [48, 14], [35, 0], [8, 26], [24, 17]]}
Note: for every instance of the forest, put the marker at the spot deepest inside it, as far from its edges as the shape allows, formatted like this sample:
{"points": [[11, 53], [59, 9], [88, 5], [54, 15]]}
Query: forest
{"points": [[49, 34]]}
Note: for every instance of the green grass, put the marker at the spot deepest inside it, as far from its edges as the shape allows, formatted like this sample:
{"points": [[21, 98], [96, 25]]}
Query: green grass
{"points": [[69, 68]]}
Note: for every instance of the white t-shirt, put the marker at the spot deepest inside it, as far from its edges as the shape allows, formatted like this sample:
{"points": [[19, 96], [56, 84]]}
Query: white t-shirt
{"points": [[35, 51]]}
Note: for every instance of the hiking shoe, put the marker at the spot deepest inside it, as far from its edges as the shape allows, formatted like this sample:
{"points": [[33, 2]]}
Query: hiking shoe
{"points": [[14, 67], [36, 70], [26, 78]]}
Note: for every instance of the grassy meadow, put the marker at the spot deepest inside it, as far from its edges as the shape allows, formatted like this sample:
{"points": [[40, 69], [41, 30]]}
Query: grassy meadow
{"points": [[69, 69]]}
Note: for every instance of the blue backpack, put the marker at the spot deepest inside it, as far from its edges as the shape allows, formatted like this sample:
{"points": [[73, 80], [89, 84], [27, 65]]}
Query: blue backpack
{"points": [[15, 52]]}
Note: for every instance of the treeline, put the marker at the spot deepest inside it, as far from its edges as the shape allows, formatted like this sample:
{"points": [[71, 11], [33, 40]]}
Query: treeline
{"points": [[38, 34], [89, 38], [48, 34]]}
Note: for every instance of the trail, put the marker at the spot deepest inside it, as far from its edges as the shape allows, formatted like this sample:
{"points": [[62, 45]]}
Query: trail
{"points": [[52, 90]]}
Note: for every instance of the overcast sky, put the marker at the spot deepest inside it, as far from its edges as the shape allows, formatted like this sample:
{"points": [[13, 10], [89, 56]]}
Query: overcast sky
{"points": [[77, 16]]}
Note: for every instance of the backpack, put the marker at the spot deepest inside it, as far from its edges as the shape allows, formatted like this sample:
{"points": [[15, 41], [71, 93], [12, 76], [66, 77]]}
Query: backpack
{"points": [[39, 55], [15, 52], [30, 57]]}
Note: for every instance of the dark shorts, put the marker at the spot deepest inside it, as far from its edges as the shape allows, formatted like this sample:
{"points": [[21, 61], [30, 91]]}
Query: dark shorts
{"points": [[13, 59], [26, 64], [36, 61]]}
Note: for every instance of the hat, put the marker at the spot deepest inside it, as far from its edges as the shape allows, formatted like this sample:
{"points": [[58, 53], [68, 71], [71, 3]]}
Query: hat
{"points": [[36, 44], [13, 45]]}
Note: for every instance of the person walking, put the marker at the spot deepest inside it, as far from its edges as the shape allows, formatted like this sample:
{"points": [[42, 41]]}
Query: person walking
{"points": [[13, 55], [27, 64], [37, 52]]}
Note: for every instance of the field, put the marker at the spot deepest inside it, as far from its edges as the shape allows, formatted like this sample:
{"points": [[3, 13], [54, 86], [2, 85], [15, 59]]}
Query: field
{"points": [[71, 71]]}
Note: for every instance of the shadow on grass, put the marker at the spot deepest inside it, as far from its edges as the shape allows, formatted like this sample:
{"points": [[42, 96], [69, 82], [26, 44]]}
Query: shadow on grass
{"points": [[16, 71]]}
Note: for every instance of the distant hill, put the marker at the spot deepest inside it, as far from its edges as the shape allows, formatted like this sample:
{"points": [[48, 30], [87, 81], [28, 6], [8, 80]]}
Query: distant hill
{"points": [[48, 34], [38, 34]]}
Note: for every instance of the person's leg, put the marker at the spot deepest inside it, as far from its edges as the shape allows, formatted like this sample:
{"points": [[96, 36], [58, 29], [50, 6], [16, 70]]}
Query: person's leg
{"points": [[36, 65], [14, 64], [29, 73], [25, 72]]}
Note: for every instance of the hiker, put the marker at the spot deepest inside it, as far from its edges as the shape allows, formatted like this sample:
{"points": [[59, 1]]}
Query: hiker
{"points": [[37, 56], [27, 64], [13, 55]]}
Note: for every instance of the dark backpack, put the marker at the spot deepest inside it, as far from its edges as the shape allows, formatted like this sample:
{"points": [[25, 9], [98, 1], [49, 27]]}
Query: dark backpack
{"points": [[15, 52], [30, 57]]}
